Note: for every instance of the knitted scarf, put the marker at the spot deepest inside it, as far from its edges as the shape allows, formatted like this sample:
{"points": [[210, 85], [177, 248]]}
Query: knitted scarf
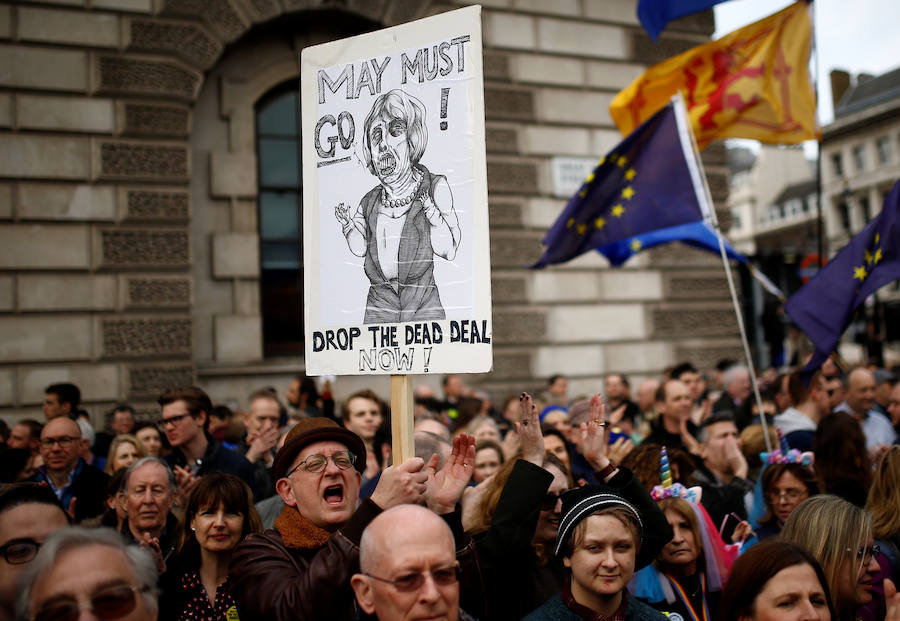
{"points": [[299, 533]]}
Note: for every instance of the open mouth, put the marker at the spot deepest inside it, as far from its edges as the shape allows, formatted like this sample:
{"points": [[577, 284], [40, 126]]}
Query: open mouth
{"points": [[387, 163], [334, 494]]}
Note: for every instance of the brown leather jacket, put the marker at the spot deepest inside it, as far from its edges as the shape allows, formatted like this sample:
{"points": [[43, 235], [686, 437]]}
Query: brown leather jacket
{"points": [[300, 572]]}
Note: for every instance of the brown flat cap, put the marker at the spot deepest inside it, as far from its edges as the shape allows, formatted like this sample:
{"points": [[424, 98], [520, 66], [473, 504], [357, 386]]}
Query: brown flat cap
{"points": [[317, 429]]}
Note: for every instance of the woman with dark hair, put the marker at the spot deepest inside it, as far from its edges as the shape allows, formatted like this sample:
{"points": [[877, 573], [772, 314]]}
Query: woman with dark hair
{"points": [[555, 442], [776, 581], [644, 460], [114, 514], [784, 487], [842, 461], [219, 515]]}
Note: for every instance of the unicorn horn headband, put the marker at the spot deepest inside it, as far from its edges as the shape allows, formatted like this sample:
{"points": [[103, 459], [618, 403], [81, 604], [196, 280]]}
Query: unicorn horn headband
{"points": [[669, 489], [786, 455]]}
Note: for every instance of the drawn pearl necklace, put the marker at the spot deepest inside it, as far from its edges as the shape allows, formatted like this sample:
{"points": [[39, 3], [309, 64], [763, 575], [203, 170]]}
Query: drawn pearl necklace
{"points": [[395, 203]]}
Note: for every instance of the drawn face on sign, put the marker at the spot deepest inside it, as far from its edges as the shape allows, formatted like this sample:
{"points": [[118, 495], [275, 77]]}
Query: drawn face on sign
{"points": [[390, 149]]}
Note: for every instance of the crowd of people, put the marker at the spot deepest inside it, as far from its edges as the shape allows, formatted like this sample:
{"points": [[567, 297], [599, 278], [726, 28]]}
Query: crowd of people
{"points": [[685, 498]]}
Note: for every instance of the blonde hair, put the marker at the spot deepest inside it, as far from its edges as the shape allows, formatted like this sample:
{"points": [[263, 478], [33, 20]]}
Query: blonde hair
{"points": [[124, 438], [832, 530], [884, 495]]}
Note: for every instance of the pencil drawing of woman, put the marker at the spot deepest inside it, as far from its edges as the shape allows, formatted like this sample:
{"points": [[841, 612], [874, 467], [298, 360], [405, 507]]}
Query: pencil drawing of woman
{"points": [[404, 221]]}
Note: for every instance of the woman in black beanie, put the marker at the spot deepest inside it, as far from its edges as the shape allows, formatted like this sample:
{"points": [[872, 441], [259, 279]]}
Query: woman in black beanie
{"points": [[599, 541]]}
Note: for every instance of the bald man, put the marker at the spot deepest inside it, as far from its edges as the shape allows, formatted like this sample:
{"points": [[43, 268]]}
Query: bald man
{"points": [[408, 573], [79, 486], [859, 388]]}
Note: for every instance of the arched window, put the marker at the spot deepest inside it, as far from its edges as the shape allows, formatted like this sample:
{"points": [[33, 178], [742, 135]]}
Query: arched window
{"points": [[280, 224]]}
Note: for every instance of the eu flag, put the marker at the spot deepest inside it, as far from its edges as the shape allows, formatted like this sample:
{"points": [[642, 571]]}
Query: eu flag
{"points": [[696, 234], [825, 305], [650, 180], [655, 14]]}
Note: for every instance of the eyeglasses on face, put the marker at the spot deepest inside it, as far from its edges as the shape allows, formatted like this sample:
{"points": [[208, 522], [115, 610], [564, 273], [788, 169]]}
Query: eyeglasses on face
{"points": [[791, 495], [19, 551], [172, 420], [63, 441], [413, 581], [106, 604], [865, 554], [317, 463]]}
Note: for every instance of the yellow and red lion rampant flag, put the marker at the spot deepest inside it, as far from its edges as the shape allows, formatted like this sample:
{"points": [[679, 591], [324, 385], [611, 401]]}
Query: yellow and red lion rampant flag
{"points": [[751, 83]]}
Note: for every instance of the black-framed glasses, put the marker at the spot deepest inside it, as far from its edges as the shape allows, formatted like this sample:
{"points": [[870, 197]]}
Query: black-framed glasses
{"points": [[865, 554], [549, 501], [413, 581], [19, 551], [107, 604], [63, 441], [317, 463], [172, 420]]}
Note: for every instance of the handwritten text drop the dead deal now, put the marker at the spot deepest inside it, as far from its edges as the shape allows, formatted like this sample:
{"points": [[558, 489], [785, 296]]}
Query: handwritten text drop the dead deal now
{"points": [[424, 333], [365, 77], [393, 348]]}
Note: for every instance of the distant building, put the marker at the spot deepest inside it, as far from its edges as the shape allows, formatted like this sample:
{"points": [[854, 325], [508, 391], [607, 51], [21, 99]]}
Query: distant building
{"points": [[860, 152], [860, 164]]}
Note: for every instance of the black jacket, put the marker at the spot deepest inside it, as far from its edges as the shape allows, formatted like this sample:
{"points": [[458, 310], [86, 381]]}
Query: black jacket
{"points": [[218, 459], [515, 582], [88, 490]]}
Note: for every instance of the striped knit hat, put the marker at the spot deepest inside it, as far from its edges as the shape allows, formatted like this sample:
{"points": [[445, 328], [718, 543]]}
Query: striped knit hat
{"points": [[581, 502]]}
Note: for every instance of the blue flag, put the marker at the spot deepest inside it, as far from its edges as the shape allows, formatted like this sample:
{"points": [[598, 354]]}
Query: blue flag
{"points": [[655, 14], [825, 305], [651, 180], [696, 234]]}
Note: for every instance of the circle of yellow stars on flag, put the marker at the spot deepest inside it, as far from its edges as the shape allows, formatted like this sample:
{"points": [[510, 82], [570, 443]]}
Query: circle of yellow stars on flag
{"points": [[872, 257], [618, 209]]}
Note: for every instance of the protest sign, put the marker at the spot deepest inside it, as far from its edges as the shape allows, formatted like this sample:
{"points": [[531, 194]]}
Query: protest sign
{"points": [[395, 214]]}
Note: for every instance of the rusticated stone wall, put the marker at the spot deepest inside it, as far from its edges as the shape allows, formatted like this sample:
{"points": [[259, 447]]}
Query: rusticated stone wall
{"points": [[128, 221]]}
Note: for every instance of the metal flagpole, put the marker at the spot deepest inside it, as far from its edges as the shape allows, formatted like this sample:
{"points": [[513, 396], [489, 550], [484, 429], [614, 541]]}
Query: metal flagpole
{"points": [[681, 114]]}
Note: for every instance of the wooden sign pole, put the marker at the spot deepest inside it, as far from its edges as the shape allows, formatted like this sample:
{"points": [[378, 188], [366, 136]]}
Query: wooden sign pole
{"points": [[402, 414]]}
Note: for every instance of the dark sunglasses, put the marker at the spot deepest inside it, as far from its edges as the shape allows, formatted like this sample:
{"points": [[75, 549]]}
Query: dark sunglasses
{"points": [[549, 501], [107, 604]]}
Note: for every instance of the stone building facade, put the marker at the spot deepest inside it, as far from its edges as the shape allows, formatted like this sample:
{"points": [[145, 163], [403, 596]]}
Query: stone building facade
{"points": [[130, 183]]}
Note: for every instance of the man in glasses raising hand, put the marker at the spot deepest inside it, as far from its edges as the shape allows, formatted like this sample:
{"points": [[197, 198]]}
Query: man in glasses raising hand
{"points": [[302, 568]]}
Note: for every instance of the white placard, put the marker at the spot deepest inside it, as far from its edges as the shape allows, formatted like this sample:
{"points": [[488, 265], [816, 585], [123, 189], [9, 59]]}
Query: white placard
{"points": [[395, 213]]}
